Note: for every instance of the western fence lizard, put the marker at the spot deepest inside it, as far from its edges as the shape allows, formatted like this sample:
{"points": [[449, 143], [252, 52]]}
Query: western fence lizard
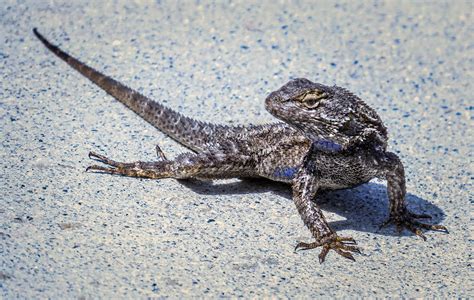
{"points": [[329, 139]]}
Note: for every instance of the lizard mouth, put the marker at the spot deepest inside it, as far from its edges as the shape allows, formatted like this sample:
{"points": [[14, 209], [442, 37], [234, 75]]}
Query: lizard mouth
{"points": [[350, 127]]}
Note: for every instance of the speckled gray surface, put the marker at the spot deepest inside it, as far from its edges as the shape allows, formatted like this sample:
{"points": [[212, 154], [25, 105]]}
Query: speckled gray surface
{"points": [[67, 233]]}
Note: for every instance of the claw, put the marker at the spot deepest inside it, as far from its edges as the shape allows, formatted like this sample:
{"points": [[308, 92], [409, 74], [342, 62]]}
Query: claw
{"points": [[351, 248], [322, 255], [420, 216], [160, 153], [406, 220], [439, 228], [348, 239], [419, 233], [300, 245], [342, 245], [93, 155], [306, 246], [431, 227], [104, 159], [345, 254], [100, 168]]}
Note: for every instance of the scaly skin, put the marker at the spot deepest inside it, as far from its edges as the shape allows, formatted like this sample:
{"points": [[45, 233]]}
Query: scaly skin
{"points": [[329, 139]]}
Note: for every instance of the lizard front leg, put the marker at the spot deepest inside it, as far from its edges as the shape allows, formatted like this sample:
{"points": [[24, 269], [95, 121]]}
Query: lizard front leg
{"points": [[187, 165], [399, 213], [305, 187]]}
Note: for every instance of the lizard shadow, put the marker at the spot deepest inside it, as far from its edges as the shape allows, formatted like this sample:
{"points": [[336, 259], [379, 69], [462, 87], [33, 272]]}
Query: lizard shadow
{"points": [[364, 207]]}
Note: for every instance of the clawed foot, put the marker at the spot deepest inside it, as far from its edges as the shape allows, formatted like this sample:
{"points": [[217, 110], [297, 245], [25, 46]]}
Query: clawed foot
{"points": [[118, 167], [342, 245], [114, 165], [134, 169], [407, 220]]}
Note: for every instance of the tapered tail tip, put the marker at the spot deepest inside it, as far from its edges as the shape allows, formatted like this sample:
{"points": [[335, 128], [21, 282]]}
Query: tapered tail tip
{"points": [[35, 31]]}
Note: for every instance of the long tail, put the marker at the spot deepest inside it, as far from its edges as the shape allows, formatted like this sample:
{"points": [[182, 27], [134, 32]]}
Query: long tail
{"points": [[191, 133]]}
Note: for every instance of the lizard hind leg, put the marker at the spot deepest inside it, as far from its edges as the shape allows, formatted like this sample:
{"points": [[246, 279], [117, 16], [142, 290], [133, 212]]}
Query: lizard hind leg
{"points": [[399, 213], [184, 166]]}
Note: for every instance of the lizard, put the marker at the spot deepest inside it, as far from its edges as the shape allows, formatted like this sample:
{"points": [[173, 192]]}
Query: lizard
{"points": [[326, 138]]}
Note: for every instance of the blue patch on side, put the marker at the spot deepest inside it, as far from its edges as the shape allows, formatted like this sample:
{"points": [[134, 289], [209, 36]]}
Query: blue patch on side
{"points": [[285, 172], [327, 146]]}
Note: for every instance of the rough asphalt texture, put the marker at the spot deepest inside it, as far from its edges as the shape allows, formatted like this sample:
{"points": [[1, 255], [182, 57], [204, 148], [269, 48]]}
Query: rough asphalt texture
{"points": [[69, 234]]}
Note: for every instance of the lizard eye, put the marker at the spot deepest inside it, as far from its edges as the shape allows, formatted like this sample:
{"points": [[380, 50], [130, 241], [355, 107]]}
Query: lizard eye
{"points": [[311, 102], [312, 99]]}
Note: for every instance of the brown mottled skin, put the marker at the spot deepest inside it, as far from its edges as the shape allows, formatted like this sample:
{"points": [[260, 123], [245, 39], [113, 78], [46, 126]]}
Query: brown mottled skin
{"points": [[329, 139]]}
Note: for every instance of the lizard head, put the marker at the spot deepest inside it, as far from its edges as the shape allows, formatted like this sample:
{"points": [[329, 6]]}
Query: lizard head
{"points": [[331, 115]]}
